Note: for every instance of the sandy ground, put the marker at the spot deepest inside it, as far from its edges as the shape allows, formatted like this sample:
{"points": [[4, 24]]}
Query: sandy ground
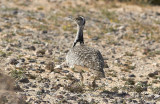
{"points": [[35, 36]]}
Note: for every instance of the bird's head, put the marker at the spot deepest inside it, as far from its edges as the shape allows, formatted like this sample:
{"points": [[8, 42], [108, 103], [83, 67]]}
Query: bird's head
{"points": [[80, 20]]}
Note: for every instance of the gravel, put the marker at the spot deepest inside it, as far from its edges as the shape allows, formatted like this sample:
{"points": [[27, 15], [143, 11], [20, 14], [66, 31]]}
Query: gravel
{"points": [[35, 37]]}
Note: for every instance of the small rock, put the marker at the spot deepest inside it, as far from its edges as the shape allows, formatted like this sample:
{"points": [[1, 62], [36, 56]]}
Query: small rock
{"points": [[42, 62], [81, 101], [95, 38], [8, 48], [71, 98], [40, 52], [50, 66], [32, 48], [153, 74], [44, 31], [32, 60], [144, 16], [106, 65], [108, 34], [65, 71], [22, 60], [24, 80], [146, 51], [144, 82], [19, 65], [64, 64], [17, 88], [122, 27], [34, 86], [60, 96], [41, 91], [113, 51], [150, 96], [120, 101], [49, 52], [37, 101], [46, 85], [105, 100], [3, 54], [40, 70], [132, 75], [156, 96], [135, 101], [13, 61], [15, 12], [58, 67], [117, 61], [158, 13]]}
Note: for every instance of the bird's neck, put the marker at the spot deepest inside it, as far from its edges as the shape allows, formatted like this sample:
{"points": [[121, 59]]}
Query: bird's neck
{"points": [[79, 37]]}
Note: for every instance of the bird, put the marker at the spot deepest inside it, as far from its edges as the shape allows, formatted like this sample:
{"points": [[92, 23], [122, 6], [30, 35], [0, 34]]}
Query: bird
{"points": [[82, 56]]}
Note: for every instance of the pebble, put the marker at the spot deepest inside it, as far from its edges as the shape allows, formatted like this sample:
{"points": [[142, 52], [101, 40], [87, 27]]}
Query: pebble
{"points": [[32, 48], [71, 97], [60, 96], [58, 67], [131, 75], [32, 60], [153, 74], [65, 71], [13, 61], [117, 61], [19, 65], [40, 53], [44, 31], [95, 38], [50, 66], [120, 101], [122, 27], [81, 101], [42, 62], [8, 48], [24, 80], [156, 96], [150, 96], [22, 60], [46, 85]]}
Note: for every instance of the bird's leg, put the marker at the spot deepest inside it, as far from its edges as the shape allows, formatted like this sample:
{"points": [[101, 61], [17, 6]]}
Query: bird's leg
{"points": [[82, 78], [94, 85]]}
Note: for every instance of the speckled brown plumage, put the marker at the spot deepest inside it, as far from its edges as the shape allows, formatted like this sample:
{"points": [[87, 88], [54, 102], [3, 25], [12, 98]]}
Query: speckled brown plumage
{"points": [[87, 57], [83, 55]]}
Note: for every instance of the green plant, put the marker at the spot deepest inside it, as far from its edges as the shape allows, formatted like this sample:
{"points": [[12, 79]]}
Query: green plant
{"points": [[75, 88], [129, 54], [130, 81], [139, 87], [17, 73], [115, 89], [156, 90]]}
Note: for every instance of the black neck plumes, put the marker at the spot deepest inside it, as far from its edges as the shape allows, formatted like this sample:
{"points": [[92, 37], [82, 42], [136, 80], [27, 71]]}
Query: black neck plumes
{"points": [[79, 37]]}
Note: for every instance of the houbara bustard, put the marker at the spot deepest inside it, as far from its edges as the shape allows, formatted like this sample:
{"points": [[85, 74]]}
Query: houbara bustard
{"points": [[84, 56]]}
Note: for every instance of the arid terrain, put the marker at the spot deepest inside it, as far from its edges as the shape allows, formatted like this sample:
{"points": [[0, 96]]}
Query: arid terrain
{"points": [[35, 36]]}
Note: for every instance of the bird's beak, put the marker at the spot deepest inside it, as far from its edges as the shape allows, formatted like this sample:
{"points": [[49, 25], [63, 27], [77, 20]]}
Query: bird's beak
{"points": [[71, 18]]}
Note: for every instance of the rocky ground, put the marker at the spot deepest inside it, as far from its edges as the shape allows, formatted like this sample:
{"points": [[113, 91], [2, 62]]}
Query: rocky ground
{"points": [[35, 36]]}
